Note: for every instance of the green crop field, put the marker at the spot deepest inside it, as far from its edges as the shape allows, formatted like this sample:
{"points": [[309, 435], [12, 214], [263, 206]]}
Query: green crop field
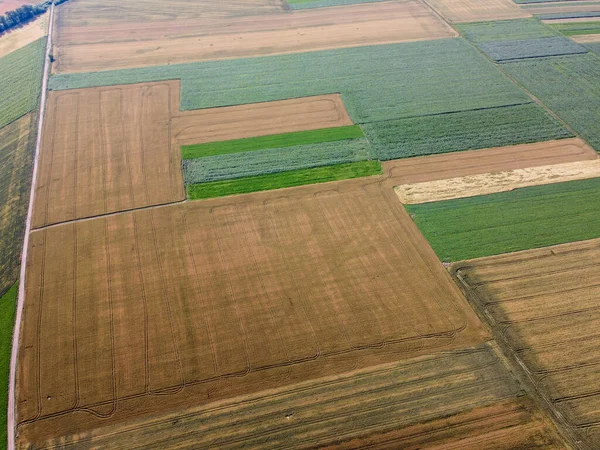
{"points": [[7, 320], [504, 30], [306, 4], [283, 180], [493, 127], [522, 219], [577, 28], [20, 81], [17, 146], [595, 47], [271, 141], [569, 85]]}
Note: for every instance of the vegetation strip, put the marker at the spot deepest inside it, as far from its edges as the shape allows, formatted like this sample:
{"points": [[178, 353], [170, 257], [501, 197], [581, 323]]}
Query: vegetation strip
{"points": [[7, 320], [283, 180], [522, 219], [271, 141], [577, 28], [21, 75]]}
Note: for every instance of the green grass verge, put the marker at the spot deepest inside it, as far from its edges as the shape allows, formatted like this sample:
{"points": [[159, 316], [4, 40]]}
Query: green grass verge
{"points": [[569, 85], [21, 81], [272, 141], [577, 28], [283, 180], [511, 221], [7, 319]]}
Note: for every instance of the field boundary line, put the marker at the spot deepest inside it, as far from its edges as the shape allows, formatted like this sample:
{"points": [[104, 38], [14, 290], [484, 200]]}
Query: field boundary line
{"points": [[11, 412]]}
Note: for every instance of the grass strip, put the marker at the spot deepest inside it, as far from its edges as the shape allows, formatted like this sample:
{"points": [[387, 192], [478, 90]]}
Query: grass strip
{"points": [[522, 219], [272, 141], [283, 180], [577, 28], [7, 319]]}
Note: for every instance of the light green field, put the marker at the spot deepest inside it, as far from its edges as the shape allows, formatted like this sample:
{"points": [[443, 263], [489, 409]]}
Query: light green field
{"points": [[7, 319], [522, 219], [21, 81], [283, 180], [577, 28], [272, 141]]}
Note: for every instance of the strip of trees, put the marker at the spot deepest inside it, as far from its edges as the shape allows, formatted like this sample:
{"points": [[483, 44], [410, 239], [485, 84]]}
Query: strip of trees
{"points": [[24, 14]]}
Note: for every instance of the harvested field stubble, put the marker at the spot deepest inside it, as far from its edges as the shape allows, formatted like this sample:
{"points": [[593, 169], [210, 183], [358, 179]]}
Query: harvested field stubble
{"points": [[477, 10], [86, 49], [382, 405], [17, 146], [24, 35], [543, 305], [210, 322]]}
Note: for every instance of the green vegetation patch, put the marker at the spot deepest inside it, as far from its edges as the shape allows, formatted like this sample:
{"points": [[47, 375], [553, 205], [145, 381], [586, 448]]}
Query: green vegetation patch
{"points": [[283, 180], [577, 28], [568, 15], [271, 141], [503, 30], [495, 127], [522, 219], [21, 81], [17, 147], [568, 85], [595, 47], [376, 82], [307, 4], [7, 320]]}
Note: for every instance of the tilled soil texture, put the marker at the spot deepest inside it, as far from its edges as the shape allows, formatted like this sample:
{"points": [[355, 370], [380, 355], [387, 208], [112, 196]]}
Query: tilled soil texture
{"points": [[465, 397], [586, 38], [544, 307], [88, 48], [232, 296], [20, 37], [563, 7], [458, 11], [118, 148]]}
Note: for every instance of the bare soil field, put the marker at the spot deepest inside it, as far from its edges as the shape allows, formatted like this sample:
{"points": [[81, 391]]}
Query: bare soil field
{"points": [[474, 162], [470, 398], [106, 150], [458, 11], [489, 183], [20, 37], [87, 49], [562, 8], [582, 39], [544, 307], [575, 19], [11, 5], [233, 296], [117, 148]]}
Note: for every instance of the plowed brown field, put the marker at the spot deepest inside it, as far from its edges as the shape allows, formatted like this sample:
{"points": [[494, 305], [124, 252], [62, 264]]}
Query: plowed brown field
{"points": [[117, 148], [544, 306], [477, 10], [87, 49], [443, 399], [183, 305]]}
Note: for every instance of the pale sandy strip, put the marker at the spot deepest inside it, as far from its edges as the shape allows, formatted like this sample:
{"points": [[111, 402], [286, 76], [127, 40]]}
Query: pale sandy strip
{"points": [[489, 183], [27, 34], [11, 412], [578, 19], [586, 38]]}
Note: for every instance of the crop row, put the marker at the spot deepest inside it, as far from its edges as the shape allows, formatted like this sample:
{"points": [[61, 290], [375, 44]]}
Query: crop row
{"points": [[283, 180], [261, 162], [271, 141], [21, 79], [577, 28]]}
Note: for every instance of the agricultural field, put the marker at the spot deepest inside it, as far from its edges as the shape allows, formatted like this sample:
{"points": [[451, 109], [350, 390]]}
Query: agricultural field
{"points": [[94, 49], [8, 302], [577, 28], [505, 222], [543, 306], [26, 34], [307, 4], [21, 75], [11, 5], [459, 11], [112, 360], [17, 146]]}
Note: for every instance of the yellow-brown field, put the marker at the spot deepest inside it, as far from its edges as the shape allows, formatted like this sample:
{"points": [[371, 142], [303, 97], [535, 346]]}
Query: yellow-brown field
{"points": [[458, 11], [138, 44], [543, 305]]}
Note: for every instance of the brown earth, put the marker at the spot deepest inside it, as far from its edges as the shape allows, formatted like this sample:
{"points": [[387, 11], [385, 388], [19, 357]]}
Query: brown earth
{"points": [[450, 398], [17, 146], [544, 306], [577, 19], [499, 159], [117, 148], [11, 5], [88, 49], [167, 308], [561, 8], [586, 38], [458, 11], [20, 37]]}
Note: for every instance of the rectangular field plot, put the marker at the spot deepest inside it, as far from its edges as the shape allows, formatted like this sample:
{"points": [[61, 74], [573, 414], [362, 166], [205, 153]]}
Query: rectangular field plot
{"points": [[180, 306], [89, 49], [477, 10], [505, 222], [467, 397], [543, 305]]}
